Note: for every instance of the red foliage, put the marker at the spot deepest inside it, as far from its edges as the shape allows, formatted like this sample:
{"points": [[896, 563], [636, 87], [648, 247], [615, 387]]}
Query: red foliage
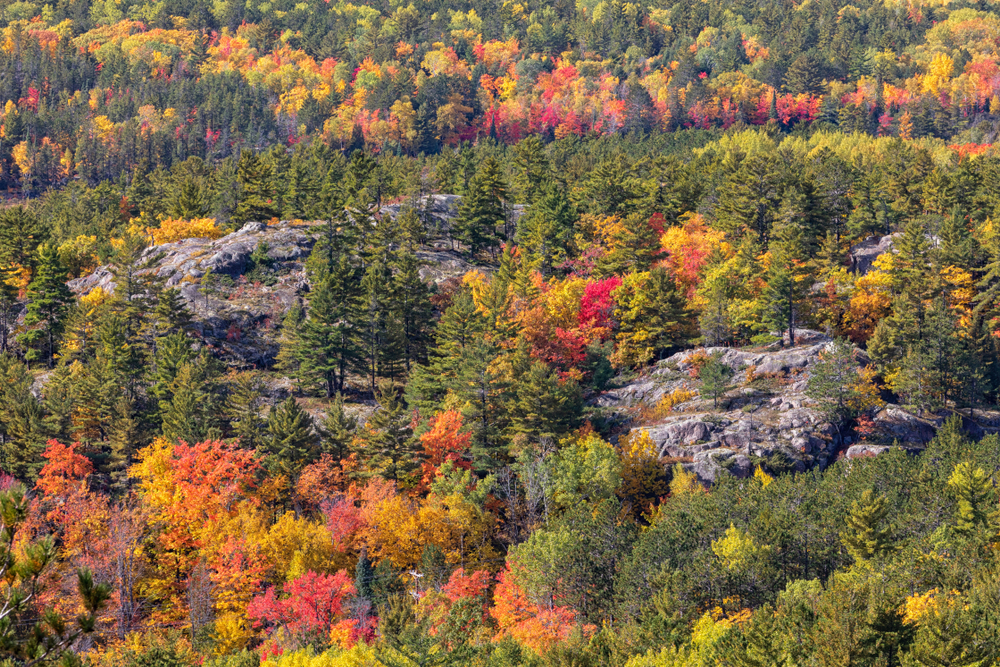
{"points": [[65, 468], [445, 441], [538, 628], [597, 303], [461, 585], [311, 604], [344, 521]]}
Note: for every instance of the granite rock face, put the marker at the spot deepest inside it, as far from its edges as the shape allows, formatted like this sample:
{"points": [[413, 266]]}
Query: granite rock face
{"points": [[766, 415], [237, 315]]}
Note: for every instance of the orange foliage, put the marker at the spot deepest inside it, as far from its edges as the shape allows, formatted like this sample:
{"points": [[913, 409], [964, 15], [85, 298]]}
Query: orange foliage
{"points": [[445, 441], [538, 628]]}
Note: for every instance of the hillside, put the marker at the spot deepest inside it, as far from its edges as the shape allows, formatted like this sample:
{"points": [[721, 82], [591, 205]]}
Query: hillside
{"points": [[495, 334]]}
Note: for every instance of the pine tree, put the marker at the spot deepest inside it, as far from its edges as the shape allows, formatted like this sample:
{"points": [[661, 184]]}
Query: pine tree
{"points": [[749, 199], [125, 436], [48, 301], [544, 409], [171, 314], [303, 191], [482, 209], [243, 408], [290, 443], [531, 169], [412, 307], [803, 76], [188, 200], [337, 430], [832, 382], [715, 378], [172, 352], [867, 536], [21, 421], [957, 247], [8, 309], [382, 333], [190, 413], [21, 234], [289, 343], [461, 327], [973, 490], [257, 199], [545, 232], [787, 281], [386, 445], [328, 344]]}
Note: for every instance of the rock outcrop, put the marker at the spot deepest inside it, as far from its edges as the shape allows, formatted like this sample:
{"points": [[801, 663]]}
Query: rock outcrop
{"points": [[767, 414], [237, 315]]}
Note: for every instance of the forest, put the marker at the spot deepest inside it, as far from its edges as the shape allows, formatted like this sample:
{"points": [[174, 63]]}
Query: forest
{"points": [[503, 333]]}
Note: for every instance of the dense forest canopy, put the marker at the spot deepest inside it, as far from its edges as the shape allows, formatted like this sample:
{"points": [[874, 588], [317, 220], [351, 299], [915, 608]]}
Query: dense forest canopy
{"points": [[504, 333]]}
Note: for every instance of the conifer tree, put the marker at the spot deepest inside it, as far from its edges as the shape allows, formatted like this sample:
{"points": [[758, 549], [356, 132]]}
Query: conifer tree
{"points": [[289, 344], [715, 378], [257, 199], [974, 496], [125, 437], [867, 534], [172, 352], [21, 234], [787, 281], [958, 247], [48, 301], [531, 169], [171, 314], [290, 442], [386, 445], [545, 232], [461, 327], [243, 408], [412, 307], [191, 412], [482, 209], [382, 333], [337, 430], [328, 343]]}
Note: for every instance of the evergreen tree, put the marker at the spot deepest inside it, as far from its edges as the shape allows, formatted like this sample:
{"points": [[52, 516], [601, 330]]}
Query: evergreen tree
{"points": [[289, 345], [957, 247], [803, 76], [868, 535], [337, 430], [482, 209], [328, 342], [382, 333], [412, 307], [386, 445], [461, 327], [48, 301], [172, 352], [749, 199], [543, 408], [171, 314], [715, 378], [21, 235], [191, 412], [832, 382], [787, 281], [243, 408], [974, 496], [545, 232], [125, 437], [257, 198], [531, 169], [290, 443]]}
